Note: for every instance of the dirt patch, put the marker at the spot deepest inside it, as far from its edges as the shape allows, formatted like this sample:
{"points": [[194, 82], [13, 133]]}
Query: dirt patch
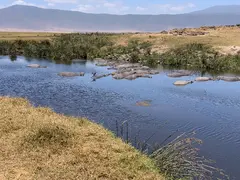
{"points": [[229, 50]]}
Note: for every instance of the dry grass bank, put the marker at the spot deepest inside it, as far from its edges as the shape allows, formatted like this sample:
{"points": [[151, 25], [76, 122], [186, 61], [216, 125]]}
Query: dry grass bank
{"points": [[37, 143]]}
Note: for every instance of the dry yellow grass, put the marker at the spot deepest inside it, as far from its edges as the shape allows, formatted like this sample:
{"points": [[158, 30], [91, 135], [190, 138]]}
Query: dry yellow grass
{"points": [[220, 38], [37, 143], [26, 35]]}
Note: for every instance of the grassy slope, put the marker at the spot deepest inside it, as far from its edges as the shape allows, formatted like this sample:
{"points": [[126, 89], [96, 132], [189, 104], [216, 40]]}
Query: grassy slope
{"points": [[37, 143]]}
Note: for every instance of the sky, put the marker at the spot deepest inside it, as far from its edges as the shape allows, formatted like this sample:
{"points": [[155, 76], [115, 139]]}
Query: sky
{"points": [[123, 6]]}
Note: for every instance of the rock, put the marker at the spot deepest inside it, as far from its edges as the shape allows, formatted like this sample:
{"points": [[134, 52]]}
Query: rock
{"points": [[68, 74], [229, 78], [81, 74], [203, 79], [182, 83], [143, 103]]}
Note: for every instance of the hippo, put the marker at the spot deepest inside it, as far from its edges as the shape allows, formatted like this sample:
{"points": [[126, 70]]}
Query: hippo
{"points": [[182, 83], [82, 74], [203, 79], [125, 74], [68, 74], [144, 103], [153, 72], [229, 78], [143, 76], [131, 77], [144, 68], [179, 73], [102, 64], [36, 66], [95, 76], [141, 72], [125, 66], [118, 76], [111, 68]]}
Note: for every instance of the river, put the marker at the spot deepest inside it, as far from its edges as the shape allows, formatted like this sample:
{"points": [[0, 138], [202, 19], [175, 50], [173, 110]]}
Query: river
{"points": [[211, 109]]}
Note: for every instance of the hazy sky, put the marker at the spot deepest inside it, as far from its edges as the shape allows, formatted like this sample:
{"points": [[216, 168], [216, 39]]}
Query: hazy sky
{"points": [[123, 6]]}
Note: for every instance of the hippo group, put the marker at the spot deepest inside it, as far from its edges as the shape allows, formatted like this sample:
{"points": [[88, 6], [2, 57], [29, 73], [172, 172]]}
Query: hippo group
{"points": [[129, 71]]}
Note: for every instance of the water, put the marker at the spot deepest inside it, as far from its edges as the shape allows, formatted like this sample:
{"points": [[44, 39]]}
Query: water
{"points": [[211, 109]]}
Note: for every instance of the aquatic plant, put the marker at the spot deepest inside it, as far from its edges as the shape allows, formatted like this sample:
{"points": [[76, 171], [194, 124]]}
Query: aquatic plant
{"points": [[179, 159]]}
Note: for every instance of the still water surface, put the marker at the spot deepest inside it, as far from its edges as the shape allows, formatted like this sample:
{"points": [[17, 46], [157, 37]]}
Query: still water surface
{"points": [[211, 109]]}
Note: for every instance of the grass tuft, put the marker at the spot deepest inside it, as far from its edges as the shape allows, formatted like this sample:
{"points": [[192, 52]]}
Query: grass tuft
{"points": [[49, 136]]}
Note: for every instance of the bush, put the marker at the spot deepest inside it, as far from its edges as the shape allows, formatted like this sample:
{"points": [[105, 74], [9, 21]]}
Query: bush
{"points": [[193, 56]]}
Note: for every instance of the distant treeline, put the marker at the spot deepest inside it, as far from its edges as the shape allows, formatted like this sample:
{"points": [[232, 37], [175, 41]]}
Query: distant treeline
{"points": [[66, 47]]}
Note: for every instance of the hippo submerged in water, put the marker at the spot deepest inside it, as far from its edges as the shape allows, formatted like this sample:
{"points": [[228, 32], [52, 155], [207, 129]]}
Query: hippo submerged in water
{"points": [[71, 74], [182, 83], [200, 79], [36, 66], [229, 78], [179, 73]]}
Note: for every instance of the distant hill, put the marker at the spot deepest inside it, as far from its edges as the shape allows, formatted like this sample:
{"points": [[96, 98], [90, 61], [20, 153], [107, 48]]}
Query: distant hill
{"points": [[230, 9], [31, 18]]}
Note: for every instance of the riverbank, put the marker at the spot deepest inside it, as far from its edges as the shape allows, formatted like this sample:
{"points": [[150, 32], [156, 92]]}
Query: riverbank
{"points": [[40, 144], [207, 48]]}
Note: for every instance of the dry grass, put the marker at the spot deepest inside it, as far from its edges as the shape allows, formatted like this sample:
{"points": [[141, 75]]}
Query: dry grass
{"points": [[26, 35], [221, 37], [37, 143]]}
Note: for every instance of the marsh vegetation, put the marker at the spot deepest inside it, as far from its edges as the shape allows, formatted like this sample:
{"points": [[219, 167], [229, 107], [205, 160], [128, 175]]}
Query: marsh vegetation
{"points": [[66, 47]]}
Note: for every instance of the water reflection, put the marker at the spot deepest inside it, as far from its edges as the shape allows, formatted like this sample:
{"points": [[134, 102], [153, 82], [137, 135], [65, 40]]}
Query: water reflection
{"points": [[210, 108]]}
